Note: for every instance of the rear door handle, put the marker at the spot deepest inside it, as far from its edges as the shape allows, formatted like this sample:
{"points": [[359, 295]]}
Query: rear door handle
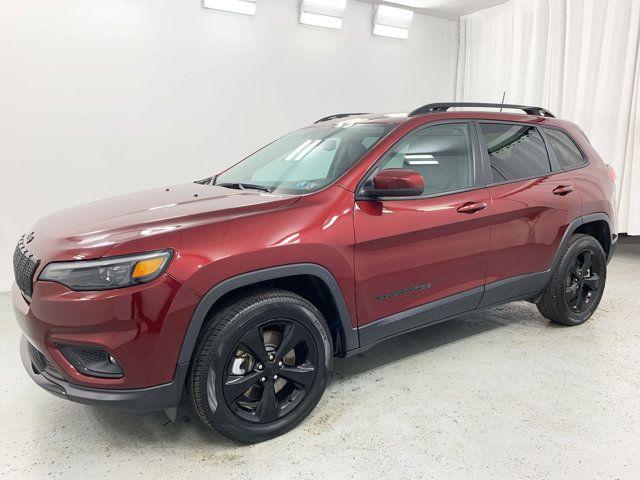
{"points": [[562, 190], [471, 207]]}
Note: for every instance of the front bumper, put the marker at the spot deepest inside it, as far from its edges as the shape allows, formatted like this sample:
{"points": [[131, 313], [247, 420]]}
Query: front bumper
{"points": [[139, 400], [141, 326]]}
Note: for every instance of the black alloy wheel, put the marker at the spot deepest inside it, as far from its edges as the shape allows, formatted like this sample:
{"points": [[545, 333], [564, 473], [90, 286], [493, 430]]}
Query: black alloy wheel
{"points": [[270, 370], [262, 364], [577, 282], [582, 282]]}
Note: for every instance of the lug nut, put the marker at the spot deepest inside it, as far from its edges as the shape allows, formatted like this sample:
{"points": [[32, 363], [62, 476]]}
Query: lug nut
{"points": [[270, 356], [263, 379], [260, 366], [275, 377], [279, 364]]}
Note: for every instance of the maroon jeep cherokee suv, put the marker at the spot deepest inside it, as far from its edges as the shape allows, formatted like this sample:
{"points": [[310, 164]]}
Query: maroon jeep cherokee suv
{"points": [[242, 287]]}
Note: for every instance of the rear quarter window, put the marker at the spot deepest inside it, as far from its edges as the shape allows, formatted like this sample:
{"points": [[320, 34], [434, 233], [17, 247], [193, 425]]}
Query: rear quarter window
{"points": [[516, 151], [565, 148]]}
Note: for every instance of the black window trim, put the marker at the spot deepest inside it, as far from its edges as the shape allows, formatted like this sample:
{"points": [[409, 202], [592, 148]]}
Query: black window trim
{"points": [[585, 157], [476, 158], [554, 163]]}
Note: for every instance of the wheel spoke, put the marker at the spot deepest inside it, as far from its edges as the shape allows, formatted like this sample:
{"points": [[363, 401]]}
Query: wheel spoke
{"points": [[293, 335], [580, 299], [573, 270], [267, 410], [593, 282], [586, 263], [571, 292], [302, 375], [255, 344], [236, 385]]}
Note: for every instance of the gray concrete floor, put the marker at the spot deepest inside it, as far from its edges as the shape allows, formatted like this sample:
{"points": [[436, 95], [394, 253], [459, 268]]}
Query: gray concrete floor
{"points": [[499, 394]]}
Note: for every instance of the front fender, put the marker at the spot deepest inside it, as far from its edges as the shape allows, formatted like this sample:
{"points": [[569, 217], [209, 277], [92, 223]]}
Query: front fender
{"points": [[214, 294]]}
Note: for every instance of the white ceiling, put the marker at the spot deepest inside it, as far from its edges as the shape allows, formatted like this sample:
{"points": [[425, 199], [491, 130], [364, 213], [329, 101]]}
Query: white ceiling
{"points": [[451, 9]]}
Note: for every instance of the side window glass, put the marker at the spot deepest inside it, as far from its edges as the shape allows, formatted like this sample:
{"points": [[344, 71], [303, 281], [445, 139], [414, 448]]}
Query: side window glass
{"points": [[566, 150], [442, 154], [515, 151]]}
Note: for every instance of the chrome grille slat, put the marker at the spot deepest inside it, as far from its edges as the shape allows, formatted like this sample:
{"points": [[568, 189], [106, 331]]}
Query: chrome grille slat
{"points": [[24, 266]]}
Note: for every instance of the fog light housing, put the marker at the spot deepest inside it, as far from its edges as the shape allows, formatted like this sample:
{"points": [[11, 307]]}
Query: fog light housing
{"points": [[92, 361]]}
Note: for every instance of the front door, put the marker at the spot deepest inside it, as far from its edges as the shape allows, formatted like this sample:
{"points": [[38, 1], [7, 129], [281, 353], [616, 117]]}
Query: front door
{"points": [[421, 259]]}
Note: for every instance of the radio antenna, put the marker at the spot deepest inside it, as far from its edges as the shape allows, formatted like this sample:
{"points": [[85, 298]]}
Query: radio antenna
{"points": [[504, 93]]}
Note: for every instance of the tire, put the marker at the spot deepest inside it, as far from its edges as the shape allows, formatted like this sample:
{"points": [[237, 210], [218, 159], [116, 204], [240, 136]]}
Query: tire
{"points": [[246, 385], [574, 292]]}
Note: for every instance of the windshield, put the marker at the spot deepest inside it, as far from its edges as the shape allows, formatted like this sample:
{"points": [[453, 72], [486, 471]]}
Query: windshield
{"points": [[305, 160]]}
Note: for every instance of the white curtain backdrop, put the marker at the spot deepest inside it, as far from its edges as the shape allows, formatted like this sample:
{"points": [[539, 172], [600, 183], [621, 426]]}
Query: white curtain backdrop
{"points": [[578, 58]]}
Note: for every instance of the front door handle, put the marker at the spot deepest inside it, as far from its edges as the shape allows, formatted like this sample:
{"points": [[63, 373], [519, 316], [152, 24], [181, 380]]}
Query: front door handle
{"points": [[472, 207], [562, 190]]}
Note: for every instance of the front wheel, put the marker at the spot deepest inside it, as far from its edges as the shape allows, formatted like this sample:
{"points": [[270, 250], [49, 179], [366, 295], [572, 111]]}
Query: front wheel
{"points": [[261, 366], [577, 283]]}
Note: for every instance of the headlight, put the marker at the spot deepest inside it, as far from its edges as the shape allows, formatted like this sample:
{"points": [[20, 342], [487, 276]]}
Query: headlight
{"points": [[107, 273]]}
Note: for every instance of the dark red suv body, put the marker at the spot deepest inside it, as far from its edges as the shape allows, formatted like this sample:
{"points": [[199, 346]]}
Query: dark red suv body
{"points": [[488, 227]]}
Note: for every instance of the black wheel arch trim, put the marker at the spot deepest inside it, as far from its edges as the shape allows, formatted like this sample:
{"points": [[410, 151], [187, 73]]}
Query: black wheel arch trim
{"points": [[574, 225], [351, 339]]}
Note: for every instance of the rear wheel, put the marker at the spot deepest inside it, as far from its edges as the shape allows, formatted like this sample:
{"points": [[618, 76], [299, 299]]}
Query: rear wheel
{"points": [[261, 366], [577, 284]]}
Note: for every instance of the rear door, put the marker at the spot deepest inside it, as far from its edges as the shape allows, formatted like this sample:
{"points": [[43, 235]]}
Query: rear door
{"points": [[533, 203], [414, 251]]}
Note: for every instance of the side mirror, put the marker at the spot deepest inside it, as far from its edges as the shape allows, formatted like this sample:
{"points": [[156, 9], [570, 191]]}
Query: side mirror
{"points": [[395, 182]]}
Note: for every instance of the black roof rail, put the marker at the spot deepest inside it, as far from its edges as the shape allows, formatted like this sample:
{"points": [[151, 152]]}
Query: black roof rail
{"points": [[443, 107], [338, 115]]}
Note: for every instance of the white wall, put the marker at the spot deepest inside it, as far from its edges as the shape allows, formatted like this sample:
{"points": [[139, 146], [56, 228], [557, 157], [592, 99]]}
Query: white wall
{"points": [[101, 97]]}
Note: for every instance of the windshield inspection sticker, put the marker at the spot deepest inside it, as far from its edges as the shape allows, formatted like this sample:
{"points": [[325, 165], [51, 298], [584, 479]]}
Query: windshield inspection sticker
{"points": [[303, 185]]}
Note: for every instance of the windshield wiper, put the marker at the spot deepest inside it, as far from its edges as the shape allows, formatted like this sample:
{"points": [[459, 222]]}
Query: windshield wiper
{"points": [[244, 186], [206, 181]]}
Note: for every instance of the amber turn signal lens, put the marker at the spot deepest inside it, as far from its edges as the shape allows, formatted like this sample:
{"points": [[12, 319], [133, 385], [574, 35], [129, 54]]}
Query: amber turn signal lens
{"points": [[147, 267]]}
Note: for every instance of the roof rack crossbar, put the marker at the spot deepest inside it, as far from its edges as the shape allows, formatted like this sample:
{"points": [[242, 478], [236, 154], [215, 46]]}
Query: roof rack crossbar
{"points": [[338, 115], [443, 107]]}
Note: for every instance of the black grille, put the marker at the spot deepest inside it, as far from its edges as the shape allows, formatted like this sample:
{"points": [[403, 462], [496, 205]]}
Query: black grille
{"points": [[24, 266], [87, 356], [41, 363], [38, 359]]}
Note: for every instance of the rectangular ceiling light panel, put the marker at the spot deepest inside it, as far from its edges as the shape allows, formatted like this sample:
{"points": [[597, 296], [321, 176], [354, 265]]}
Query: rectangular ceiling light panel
{"points": [[246, 7], [322, 13], [391, 21]]}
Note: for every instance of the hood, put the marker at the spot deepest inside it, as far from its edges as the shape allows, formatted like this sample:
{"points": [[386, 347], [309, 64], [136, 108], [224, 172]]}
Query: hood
{"points": [[92, 229]]}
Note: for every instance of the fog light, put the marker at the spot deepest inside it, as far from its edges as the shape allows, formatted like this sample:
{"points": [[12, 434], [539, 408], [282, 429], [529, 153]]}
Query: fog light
{"points": [[92, 361]]}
